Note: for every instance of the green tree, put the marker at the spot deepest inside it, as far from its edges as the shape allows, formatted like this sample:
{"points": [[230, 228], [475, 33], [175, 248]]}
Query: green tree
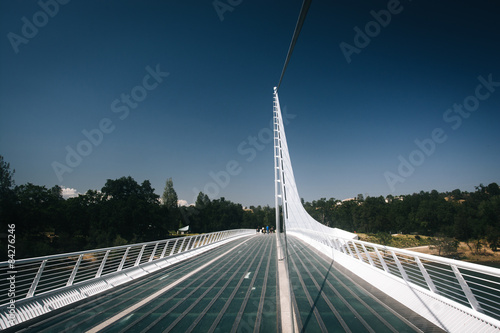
{"points": [[130, 210], [493, 238], [6, 177], [445, 245], [169, 196], [39, 217], [171, 208], [493, 189]]}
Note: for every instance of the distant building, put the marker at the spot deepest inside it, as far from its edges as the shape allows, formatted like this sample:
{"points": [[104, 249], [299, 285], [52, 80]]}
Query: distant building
{"points": [[183, 230], [345, 200]]}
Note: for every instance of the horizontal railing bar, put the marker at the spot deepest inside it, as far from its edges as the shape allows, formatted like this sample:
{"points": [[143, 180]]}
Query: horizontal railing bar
{"points": [[442, 260], [447, 286], [487, 299], [490, 312], [489, 307], [480, 278], [483, 286]]}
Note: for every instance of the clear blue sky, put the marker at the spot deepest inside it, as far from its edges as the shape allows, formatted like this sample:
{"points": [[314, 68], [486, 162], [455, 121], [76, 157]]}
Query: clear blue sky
{"points": [[352, 121]]}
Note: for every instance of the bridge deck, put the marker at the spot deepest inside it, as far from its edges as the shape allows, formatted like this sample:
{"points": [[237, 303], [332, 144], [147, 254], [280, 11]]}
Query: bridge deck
{"points": [[234, 288], [329, 298]]}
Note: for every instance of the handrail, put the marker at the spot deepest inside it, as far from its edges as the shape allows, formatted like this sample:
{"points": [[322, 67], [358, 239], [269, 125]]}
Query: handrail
{"points": [[474, 286], [64, 255], [61, 274], [458, 263]]}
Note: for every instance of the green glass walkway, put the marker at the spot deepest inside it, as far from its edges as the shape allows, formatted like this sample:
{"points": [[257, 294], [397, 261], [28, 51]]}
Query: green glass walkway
{"points": [[328, 298], [233, 288]]}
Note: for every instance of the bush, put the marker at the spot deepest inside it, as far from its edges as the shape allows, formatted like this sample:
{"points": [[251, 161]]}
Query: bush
{"points": [[445, 245]]}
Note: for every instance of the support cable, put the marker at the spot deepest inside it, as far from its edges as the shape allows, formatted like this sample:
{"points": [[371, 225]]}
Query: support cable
{"points": [[302, 17]]}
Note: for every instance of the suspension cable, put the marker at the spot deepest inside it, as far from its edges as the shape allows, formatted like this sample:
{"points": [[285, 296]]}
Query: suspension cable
{"points": [[302, 17]]}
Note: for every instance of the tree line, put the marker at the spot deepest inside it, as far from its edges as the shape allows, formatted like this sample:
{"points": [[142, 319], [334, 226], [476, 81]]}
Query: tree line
{"points": [[472, 217], [122, 212], [125, 212]]}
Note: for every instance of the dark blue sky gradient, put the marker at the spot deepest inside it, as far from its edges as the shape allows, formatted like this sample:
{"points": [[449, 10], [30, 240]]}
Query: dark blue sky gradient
{"points": [[351, 121]]}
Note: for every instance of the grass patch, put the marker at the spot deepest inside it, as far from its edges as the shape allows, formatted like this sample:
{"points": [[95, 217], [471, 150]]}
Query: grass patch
{"points": [[399, 241]]}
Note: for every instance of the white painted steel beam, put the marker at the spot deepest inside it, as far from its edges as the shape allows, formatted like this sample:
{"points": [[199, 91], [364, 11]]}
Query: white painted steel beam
{"points": [[391, 275]]}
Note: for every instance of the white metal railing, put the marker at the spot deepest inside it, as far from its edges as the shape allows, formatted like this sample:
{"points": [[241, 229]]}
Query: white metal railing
{"points": [[28, 278], [471, 285]]}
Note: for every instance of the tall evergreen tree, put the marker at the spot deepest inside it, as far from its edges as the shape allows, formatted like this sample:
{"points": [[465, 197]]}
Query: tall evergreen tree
{"points": [[6, 176], [169, 196], [171, 206]]}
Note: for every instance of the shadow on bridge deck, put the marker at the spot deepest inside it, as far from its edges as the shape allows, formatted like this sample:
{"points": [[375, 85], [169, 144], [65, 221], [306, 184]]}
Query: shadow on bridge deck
{"points": [[233, 288]]}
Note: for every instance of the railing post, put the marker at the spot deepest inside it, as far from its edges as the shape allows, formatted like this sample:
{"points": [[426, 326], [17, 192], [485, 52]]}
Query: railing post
{"points": [[123, 259], [138, 260], [465, 287], [164, 249], [196, 245], [400, 267], [382, 261], [153, 253], [31, 292], [182, 245], [173, 247], [210, 238], [75, 269], [426, 275], [103, 262], [189, 243], [368, 256], [357, 251], [203, 239], [348, 248]]}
